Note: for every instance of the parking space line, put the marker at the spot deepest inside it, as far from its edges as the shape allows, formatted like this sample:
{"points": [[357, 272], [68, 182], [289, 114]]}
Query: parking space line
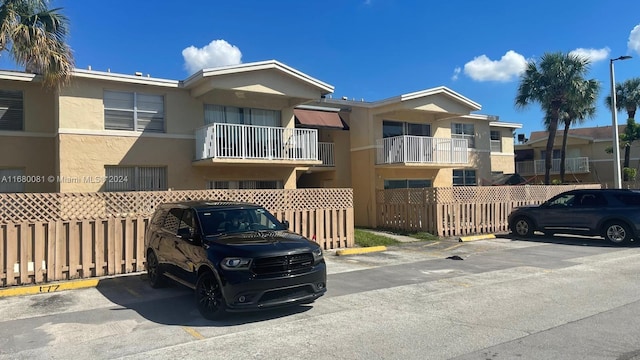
{"points": [[193, 332], [452, 247]]}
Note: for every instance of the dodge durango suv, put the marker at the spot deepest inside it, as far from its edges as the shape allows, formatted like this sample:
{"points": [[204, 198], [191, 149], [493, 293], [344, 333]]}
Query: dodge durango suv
{"points": [[611, 213], [236, 256]]}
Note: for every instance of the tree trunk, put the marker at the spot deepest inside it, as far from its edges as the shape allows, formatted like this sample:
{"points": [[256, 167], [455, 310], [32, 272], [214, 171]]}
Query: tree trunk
{"points": [[563, 151], [553, 126]]}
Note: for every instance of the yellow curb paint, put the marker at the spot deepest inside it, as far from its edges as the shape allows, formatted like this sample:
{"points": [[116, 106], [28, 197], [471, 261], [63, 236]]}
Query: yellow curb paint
{"points": [[363, 250], [452, 247], [48, 288], [193, 332], [477, 237]]}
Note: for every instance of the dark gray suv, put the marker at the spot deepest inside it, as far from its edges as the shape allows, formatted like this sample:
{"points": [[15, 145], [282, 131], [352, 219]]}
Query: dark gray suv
{"points": [[236, 256], [611, 213]]}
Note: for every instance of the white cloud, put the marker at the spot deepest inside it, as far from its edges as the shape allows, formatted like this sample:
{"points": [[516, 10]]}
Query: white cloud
{"points": [[217, 53], [634, 39], [508, 68], [594, 55], [456, 72]]}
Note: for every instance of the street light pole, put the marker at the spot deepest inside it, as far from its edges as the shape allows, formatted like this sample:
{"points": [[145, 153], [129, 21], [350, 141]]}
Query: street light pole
{"points": [[617, 179]]}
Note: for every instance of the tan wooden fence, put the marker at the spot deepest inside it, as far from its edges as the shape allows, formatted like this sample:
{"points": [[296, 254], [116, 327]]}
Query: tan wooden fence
{"points": [[459, 211], [62, 236]]}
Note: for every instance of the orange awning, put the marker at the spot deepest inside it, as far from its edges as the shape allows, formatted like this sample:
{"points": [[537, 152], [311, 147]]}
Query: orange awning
{"points": [[315, 118]]}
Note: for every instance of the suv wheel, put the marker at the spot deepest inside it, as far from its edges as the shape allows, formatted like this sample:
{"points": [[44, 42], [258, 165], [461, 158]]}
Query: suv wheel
{"points": [[209, 297], [154, 271], [522, 227], [617, 232]]}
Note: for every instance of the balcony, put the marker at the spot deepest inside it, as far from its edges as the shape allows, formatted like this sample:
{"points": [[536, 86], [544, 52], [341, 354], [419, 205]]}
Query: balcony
{"points": [[250, 143], [419, 150], [579, 165], [326, 154]]}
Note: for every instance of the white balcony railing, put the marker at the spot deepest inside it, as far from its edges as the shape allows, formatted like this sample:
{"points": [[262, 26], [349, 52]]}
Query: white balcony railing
{"points": [[421, 149], [234, 141], [578, 165], [326, 154]]}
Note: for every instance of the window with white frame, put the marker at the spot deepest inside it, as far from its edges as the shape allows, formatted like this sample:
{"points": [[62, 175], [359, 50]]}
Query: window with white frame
{"points": [[11, 180], [135, 178], [496, 141], [464, 131], [11, 110], [397, 128], [237, 115], [133, 111], [464, 177], [407, 184], [245, 184]]}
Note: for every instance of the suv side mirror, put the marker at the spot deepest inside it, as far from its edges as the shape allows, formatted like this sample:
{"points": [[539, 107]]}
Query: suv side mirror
{"points": [[285, 223], [185, 234]]}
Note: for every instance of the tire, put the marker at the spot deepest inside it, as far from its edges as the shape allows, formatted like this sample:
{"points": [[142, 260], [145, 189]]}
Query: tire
{"points": [[209, 299], [154, 271], [522, 226], [617, 233]]}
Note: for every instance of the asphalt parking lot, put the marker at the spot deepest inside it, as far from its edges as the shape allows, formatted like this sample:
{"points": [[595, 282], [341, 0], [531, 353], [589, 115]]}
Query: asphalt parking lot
{"points": [[505, 298]]}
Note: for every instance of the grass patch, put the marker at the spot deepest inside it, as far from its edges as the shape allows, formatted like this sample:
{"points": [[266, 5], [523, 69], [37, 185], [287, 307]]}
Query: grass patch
{"points": [[421, 235], [366, 239]]}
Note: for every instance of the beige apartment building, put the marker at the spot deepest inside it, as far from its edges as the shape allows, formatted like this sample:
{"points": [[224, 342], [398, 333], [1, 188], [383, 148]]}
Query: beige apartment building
{"points": [[260, 125], [588, 159]]}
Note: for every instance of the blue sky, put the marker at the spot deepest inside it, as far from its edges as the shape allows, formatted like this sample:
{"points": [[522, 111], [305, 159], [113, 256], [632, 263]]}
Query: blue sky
{"points": [[367, 49]]}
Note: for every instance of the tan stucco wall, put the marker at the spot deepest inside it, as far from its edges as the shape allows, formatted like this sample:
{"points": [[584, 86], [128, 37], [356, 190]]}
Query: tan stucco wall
{"points": [[36, 155], [81, 105]]}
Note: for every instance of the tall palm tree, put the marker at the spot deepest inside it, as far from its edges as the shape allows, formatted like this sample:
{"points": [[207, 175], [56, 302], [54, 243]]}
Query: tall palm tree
{"points": [[553, 83], [576, 112], [627, 99], [34, 36]]}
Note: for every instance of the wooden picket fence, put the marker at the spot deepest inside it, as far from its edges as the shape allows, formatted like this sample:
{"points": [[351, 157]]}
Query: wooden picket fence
{"points": [[460, 211], [88, 242]]}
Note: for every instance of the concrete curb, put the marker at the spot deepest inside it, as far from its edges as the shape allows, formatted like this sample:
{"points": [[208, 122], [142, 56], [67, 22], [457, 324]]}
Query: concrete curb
{"points": [[363, 250], [476, 237], [48, 287]]}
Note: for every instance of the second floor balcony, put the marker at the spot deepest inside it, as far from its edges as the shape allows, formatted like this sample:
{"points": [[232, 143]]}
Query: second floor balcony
{"points": [[250, 143], [422, 150], [578, 165]]}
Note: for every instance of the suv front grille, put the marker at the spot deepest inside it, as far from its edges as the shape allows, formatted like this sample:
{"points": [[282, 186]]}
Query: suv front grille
{"points": [[282, 264]]}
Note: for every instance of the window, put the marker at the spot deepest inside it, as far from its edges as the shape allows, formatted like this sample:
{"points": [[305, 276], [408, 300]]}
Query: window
{"points": [[496, 141], [133, 111], [464, 178], [10, 180], [554, 155], [464, 131], [236, 115], [396, 128], [246, 184], [135, 178], [11, 111], [407, 184]]}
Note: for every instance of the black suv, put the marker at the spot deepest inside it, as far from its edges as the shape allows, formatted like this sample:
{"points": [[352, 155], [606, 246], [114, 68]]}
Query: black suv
{"points": [[611, 213], [236, 256]]}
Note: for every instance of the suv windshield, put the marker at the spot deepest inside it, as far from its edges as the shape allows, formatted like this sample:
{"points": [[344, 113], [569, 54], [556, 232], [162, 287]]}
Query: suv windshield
{"points": [[216, 221]]}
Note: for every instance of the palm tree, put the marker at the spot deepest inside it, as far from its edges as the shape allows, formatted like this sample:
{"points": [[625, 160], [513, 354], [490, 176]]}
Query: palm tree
{"points": [[34, 36], [628, 99], [581, 108], [554, 83]]}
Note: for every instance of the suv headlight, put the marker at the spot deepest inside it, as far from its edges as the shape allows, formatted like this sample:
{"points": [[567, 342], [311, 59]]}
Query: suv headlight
{"points": [[317, 254], [235, 263]]}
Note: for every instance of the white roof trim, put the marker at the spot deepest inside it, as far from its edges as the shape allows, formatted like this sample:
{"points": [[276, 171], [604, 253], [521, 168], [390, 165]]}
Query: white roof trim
{"points": [[132, 79], [319, 108], [255, 66], [18, 76], [410, 96], [505, 124]]}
